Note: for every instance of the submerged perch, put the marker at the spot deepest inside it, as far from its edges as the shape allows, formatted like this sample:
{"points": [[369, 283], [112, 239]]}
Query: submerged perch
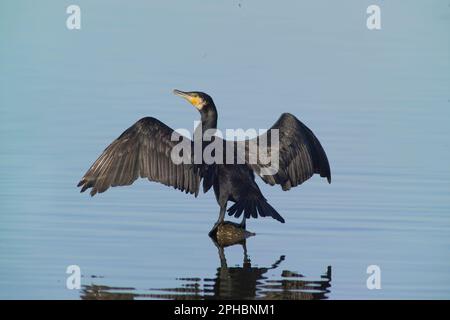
{"points": [[230, 233]]}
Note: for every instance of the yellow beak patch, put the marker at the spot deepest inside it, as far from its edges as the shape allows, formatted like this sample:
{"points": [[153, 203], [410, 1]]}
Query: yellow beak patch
{"points": [[196, 102]]}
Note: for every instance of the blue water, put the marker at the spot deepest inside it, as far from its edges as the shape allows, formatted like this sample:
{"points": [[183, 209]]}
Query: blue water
{"points": [[379, 101]]}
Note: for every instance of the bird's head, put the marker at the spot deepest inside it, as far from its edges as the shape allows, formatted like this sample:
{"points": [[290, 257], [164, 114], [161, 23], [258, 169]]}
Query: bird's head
{"points": [[199, 100]]}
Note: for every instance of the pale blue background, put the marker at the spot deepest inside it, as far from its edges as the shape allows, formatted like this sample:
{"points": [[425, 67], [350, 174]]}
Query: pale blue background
{"points": [[379, 101]]}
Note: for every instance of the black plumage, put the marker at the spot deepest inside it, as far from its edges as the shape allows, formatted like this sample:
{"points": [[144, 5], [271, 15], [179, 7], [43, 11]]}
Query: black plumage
{"points": [[144, 150], [300, 154]]}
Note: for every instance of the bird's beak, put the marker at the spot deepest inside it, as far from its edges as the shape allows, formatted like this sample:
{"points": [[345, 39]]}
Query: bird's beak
{"points": [[181, 94], [195, 101]]}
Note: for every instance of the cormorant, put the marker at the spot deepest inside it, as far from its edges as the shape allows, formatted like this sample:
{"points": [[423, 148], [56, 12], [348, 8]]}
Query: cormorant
{"points": [[144, 150]]}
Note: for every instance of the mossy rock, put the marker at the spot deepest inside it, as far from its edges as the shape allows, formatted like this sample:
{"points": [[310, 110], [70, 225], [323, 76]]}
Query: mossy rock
{"points": [[229, 233]]}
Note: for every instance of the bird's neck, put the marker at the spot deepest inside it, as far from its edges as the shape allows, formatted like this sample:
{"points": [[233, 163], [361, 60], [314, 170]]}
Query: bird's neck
{"points": [[209, 122], [205, 131], [202, 133], [208, 118]]}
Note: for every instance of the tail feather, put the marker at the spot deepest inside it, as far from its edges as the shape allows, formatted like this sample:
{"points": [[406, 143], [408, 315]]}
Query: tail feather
{"points": [[253, 207], [262, 213], [239, 209]]}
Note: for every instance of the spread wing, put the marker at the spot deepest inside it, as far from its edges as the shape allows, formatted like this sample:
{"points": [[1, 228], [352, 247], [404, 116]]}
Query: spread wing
{"points": [[143, 150], [299, 151]]}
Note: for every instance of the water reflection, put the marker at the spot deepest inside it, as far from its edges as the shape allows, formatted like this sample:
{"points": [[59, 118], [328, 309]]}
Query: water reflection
{"points": [[238, 282]]}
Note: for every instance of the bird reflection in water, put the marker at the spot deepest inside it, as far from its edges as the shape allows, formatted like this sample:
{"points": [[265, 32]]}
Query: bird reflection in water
{"points": [[238, 282]]}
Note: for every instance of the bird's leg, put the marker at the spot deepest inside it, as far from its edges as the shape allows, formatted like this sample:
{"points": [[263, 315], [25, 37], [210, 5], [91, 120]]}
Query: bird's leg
{"points": [[220, 220], [242, 224]]}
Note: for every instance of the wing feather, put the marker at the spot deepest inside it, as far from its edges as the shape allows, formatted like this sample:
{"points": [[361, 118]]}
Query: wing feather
{"points": [[143, 150], [300, 154]]}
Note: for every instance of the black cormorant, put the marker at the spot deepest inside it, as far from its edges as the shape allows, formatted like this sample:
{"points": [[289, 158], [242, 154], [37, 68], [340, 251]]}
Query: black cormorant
{"points": [[144, 150]]}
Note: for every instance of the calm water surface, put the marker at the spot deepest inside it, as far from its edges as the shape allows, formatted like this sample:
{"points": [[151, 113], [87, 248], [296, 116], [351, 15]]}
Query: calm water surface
{"points": [[379, 101]]}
